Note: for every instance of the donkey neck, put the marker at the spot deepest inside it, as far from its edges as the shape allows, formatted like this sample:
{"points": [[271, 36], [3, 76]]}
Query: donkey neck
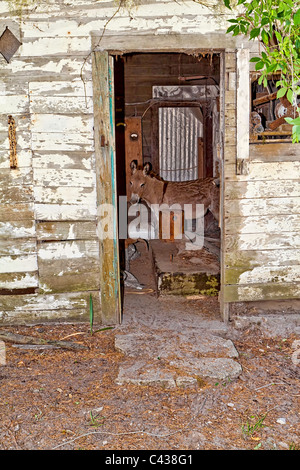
{"points": [[155, 191]]}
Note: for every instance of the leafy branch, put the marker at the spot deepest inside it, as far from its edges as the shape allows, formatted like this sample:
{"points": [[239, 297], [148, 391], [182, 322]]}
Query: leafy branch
{"points": [[276, 24]]}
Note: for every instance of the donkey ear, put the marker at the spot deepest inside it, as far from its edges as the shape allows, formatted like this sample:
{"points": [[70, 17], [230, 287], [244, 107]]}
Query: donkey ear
{"points": [[147, 168], [133, 166]]}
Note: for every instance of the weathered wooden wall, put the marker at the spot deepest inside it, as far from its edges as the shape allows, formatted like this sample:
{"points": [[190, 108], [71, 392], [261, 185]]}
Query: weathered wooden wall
{"points": [[261, 241], [49, 250]]}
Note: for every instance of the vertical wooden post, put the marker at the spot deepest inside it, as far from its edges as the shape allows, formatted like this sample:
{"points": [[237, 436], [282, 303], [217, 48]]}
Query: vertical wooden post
{"points": [[133, 144], [224, 306], [243, 110], [104, 128], [200, 158]]}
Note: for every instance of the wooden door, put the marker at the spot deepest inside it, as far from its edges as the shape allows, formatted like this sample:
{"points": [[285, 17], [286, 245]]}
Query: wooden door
{"points": [[104, 128], [133, 144]]}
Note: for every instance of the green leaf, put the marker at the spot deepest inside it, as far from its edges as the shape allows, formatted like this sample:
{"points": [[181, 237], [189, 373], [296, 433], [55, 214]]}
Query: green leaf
{"points": [[294, 122], [260, 79], [255, 59], [227, 4], [290, 96], [254, 33], [297, 17], [265, 36], [265, 21], [259, 65], [281, 92], [91, 314], [231, 28], [278, 36], [271, 68], [236, 30], [296, 134]]}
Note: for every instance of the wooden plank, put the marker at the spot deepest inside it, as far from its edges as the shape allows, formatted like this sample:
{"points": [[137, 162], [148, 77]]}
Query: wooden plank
{"points": [[200, 158], [66, 230], [63, 160], [17, 229], [20, 281], [10, 212], [149, 42], [55, 88], [106, 179], [18, 263], [14, 104], [263, 275], [17, 246], [65, 123], [61, 104], [261, 241], [23, 138], [75, 315], [63, 177], [263, 207], [265, 99], [257, 258], [24, 158], [56, 47], [274, 152], [261, 189], [20, 176], [69, 266], [68, 250], [69, 282], [65, 195], [243, 110], [277, 224], [37, 308], [10, 193], [22, 122], [133, 145], [252, 293], [46, 68], [262, 171], [60, 212], [58, 141]]}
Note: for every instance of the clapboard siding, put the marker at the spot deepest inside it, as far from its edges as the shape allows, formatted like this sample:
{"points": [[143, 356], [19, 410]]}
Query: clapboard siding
{"points": [[55, 230], [262, 226], [68, 265], [32, 308]]}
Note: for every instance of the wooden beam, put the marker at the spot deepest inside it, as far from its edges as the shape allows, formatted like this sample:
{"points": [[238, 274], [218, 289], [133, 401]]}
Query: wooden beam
{"points": [[265, 99], [103, 86], [243, 110], [133, 144]]}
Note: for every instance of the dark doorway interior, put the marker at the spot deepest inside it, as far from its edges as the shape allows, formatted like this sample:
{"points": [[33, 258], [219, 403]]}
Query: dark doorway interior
{"points": [[167, 113]]}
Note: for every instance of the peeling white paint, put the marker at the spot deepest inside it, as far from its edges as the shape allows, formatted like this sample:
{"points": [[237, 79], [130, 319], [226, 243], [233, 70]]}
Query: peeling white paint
{"points": [[25, 281], [18, 264]]}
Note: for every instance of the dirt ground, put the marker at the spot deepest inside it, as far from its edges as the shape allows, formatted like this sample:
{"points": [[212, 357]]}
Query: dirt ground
{"points": [[69, 400]]}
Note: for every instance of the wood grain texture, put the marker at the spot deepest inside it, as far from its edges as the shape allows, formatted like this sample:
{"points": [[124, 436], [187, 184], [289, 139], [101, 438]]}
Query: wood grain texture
{"points": [[106, 184]]}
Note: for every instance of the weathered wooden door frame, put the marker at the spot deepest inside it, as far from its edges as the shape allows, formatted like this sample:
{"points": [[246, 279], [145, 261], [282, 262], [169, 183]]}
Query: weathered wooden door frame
{"points": [[109, 47], [105, 160]]}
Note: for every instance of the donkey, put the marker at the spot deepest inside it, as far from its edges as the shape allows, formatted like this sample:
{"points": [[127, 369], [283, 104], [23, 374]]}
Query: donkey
{"points": [[150, 188]]}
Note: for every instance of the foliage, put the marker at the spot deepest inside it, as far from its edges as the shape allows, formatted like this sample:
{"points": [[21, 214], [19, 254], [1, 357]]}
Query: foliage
{"points": [[276, 23]]}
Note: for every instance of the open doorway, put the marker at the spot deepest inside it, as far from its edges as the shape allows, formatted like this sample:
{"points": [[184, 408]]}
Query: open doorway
{"points": [[167, 113]]}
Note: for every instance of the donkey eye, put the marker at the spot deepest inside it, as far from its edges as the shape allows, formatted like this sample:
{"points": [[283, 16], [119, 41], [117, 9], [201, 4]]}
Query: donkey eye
{"points": [[130, 183], [143, 184]]}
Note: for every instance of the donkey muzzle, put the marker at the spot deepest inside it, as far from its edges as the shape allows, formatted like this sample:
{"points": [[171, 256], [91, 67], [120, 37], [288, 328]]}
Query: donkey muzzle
{"points": [[135, 199]]}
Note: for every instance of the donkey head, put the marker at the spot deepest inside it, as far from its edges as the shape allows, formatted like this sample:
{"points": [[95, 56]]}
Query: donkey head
{"points": [[139, 181]]}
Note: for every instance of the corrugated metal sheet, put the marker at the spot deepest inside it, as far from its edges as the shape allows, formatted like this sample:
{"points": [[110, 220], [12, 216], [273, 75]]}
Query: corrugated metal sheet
{"points": [[179, 130]]}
